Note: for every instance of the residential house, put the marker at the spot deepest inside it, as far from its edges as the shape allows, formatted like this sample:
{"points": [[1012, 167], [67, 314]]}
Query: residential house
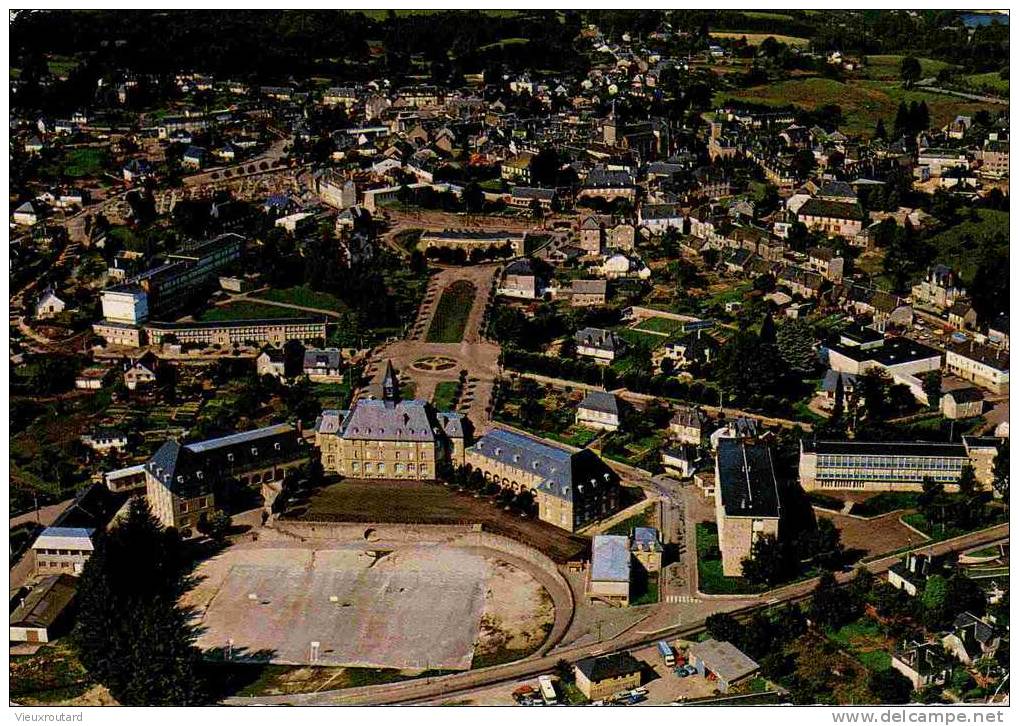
{"points": [[924, 664], [603, 676], [962, 403], [526, 279], [323, 364], [92, 378], [910, 575], [979, 363], [49, 305], [587, 293], [687, 425], [105, 440], [832, 218], [603, 346], [646, 548], [271, 362], [680, 459], [971, 638], [599, 410]]}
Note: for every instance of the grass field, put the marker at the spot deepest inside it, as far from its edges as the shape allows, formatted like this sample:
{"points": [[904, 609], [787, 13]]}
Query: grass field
{"points": [[660, 325], [885, 502], [354, 500], [864, 639], [862, 102], [451, 313], [758, 38], [643, 518], [248, 310], [50, 675], [992, 81], [305, 297], [445, 395], [955, 246], [888, 67], [80, 163], [710, 579]]}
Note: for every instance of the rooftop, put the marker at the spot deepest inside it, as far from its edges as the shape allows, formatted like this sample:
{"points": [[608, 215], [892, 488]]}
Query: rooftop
{"points": [[606, 667], [610, 558], [746, 479], [724, 659]]}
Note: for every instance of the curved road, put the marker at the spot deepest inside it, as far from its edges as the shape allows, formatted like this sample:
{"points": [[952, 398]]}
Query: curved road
{"points": [[443, 686]]}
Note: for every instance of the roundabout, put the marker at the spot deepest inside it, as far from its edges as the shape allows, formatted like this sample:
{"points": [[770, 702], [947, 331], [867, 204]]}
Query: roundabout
{"points": [[434, 363]]}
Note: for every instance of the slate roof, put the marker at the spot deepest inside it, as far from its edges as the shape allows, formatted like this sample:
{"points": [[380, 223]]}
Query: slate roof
{"points": [[189, 470], [322, 358], [610, 558], [588, 287], [374, 420], [831, 209], [746, 477], [565, 475], [600, 401], [645, 539], [831, 380], [598, 338], [606, 667]]}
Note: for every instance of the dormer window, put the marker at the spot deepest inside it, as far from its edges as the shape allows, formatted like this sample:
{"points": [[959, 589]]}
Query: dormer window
{"points": [[254, 451], [229, 457], [276, 446]]}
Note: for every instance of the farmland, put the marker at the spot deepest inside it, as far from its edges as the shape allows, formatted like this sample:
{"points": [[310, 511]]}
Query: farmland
{"points": [[863, 102]]}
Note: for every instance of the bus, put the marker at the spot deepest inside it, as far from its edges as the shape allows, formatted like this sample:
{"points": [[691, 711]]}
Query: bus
{"points": [[665, 650], [548, 694]]}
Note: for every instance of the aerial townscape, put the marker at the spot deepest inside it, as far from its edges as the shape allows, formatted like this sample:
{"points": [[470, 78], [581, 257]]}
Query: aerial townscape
{"points": [[509, 357]]}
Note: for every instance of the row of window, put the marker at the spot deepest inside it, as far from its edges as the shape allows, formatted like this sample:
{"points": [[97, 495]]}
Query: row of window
{"points": [[44, 551], [380, 468], [56, 565], [890, 462], [200, 503]]}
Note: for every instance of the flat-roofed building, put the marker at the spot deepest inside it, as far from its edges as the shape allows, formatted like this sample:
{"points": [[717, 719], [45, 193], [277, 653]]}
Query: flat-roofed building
{"points": [[62, 550], [570, 488], [128, 479], [181, 480], [271, 331], [905, 361], [729, 664], [890, 465], [609, 576], [747, 500]]}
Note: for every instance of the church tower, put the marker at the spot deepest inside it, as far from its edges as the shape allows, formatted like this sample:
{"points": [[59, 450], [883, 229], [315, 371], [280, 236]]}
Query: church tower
{"points": [[390, 385]]}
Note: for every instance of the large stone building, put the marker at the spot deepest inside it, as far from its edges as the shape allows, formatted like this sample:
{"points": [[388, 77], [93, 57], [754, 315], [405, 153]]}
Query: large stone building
{"points": [[603, 676], [893, 465], [905, 361], [390, 438], [270, 331], [168, 287], [469, 240], [183, 481], [747, 501], [982, 364], [570, 488]]}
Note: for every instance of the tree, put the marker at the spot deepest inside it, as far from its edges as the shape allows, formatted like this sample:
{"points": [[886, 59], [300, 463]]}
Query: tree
{"points": [[967, 482], [474, 197], [935, 600], [722, 626], [796, 346], [889, 686], [910, 71], [932, 387], [544, 167], [768, 563], [215, 525], [829, 605], [1000, 471], [803, 163], [131, 634], [293, 358], [879, 130], [537, 211], [823, 545]]}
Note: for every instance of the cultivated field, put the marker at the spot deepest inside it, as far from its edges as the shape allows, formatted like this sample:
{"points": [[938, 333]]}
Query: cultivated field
{"points": [[355, 500]]}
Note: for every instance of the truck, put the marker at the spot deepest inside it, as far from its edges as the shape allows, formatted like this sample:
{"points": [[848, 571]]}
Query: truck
{"points": [[665, 650], [548, 693]]}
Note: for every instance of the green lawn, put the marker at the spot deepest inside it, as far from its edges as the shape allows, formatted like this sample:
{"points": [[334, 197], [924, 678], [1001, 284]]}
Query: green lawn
{"points": [[643, 518], [660, 325], [80, 163], [956, 245], [637, 337], [866, 641], [248, 311], [333, 395], [889, 67], [885, 502], [451, 313], [304, 296], [710, 579], [445, 395], [991, 81]]}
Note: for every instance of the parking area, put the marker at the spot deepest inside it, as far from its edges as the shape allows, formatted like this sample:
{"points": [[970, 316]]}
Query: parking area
{"points": [[664, 686]]}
